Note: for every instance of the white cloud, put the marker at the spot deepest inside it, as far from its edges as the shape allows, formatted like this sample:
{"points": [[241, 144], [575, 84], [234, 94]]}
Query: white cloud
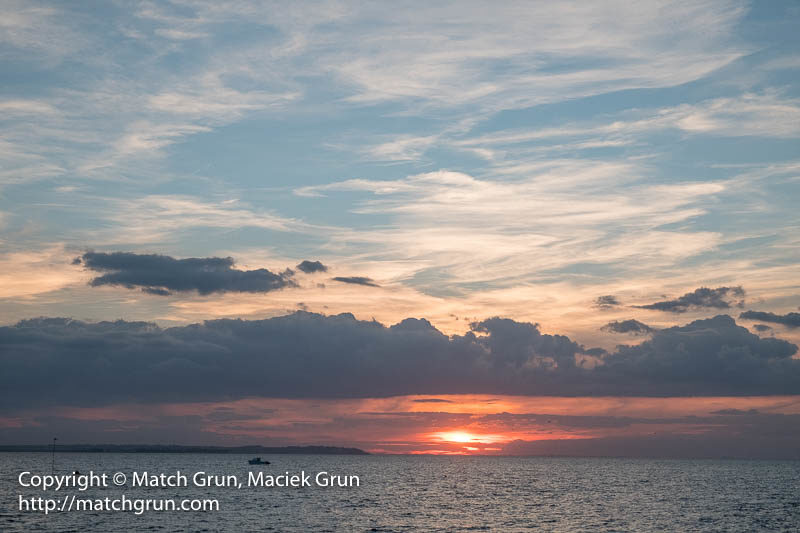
{"points": [[508, 231], [180, 35], [505, 55], [21, 106], [759, 115], [491, 57], [36, 32], [160, 218], [169, 73]]}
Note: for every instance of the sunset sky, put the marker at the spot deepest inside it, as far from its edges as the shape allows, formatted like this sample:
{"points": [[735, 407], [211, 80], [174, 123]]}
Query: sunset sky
{"points": [[471, 227]]}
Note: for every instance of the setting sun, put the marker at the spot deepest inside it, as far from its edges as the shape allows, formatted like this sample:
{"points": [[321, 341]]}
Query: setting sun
{"points": [[457, 436], [464, 437]]}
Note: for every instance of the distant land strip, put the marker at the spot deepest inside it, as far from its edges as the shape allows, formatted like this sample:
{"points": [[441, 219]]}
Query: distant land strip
{"points": [[174, 448]]}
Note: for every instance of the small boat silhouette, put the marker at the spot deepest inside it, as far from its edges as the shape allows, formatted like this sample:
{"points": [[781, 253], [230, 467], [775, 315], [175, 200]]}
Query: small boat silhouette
{"points": [[257, 461]]}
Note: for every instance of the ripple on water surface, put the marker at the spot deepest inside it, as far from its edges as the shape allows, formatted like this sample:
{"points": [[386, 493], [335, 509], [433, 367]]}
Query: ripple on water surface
{"points": [[423, 493]]}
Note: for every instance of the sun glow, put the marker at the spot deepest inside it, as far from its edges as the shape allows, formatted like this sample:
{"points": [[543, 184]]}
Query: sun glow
{"points": [[457, 436], [465, 437]]}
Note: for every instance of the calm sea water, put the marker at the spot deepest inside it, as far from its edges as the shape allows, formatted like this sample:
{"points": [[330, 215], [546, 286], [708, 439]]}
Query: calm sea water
{"points": [[413, 493]]}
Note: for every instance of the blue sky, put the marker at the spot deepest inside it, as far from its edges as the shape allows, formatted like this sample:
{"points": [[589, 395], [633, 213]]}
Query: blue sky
{"points": [[473, 159], [547, 206]]}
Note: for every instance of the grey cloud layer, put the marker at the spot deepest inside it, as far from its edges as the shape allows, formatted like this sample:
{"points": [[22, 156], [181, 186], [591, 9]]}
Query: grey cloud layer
{"points": [[310, 267], [606, 302], [65, 362], [161, 274], [631, 326], [789, 319], [356, 280], [719, 298]]}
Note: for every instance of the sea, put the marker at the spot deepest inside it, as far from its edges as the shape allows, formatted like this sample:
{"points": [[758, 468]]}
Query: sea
{"points": [[394, 493]]}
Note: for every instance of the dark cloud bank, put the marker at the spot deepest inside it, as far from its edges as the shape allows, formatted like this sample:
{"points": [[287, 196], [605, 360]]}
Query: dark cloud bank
{"points": [[630, 326], [310, 267], [356, 280], [55, 361], [791, 320], [162, 275], [606, 302], [702, 298]]}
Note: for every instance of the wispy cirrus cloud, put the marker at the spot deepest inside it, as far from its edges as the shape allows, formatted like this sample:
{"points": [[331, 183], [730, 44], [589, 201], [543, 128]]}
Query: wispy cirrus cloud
{"points": [[481, 230], [514, 151], [517, 45], [26, 273], [37, 32], [766, 114], [561, 176], [492, 61], [157, 218]]}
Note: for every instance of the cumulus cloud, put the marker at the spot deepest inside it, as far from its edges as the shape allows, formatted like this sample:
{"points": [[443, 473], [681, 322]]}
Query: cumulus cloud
{"points": [[57, 361], [719, 298], [789, 319], [606, 302], [161, 274], [762, 328], [310, 267], [706, 355], [356, 280], [631, 326]]}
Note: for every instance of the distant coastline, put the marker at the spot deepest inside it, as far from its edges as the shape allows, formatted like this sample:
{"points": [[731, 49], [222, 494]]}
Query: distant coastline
{"points": [[174, 448]]}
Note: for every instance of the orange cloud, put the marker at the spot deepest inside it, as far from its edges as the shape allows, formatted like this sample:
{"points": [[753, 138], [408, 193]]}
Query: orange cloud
{"points": [[445, 424]]}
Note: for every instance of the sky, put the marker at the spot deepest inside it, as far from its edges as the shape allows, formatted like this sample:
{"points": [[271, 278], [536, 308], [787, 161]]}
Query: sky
{"points": [[472, 227]]}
